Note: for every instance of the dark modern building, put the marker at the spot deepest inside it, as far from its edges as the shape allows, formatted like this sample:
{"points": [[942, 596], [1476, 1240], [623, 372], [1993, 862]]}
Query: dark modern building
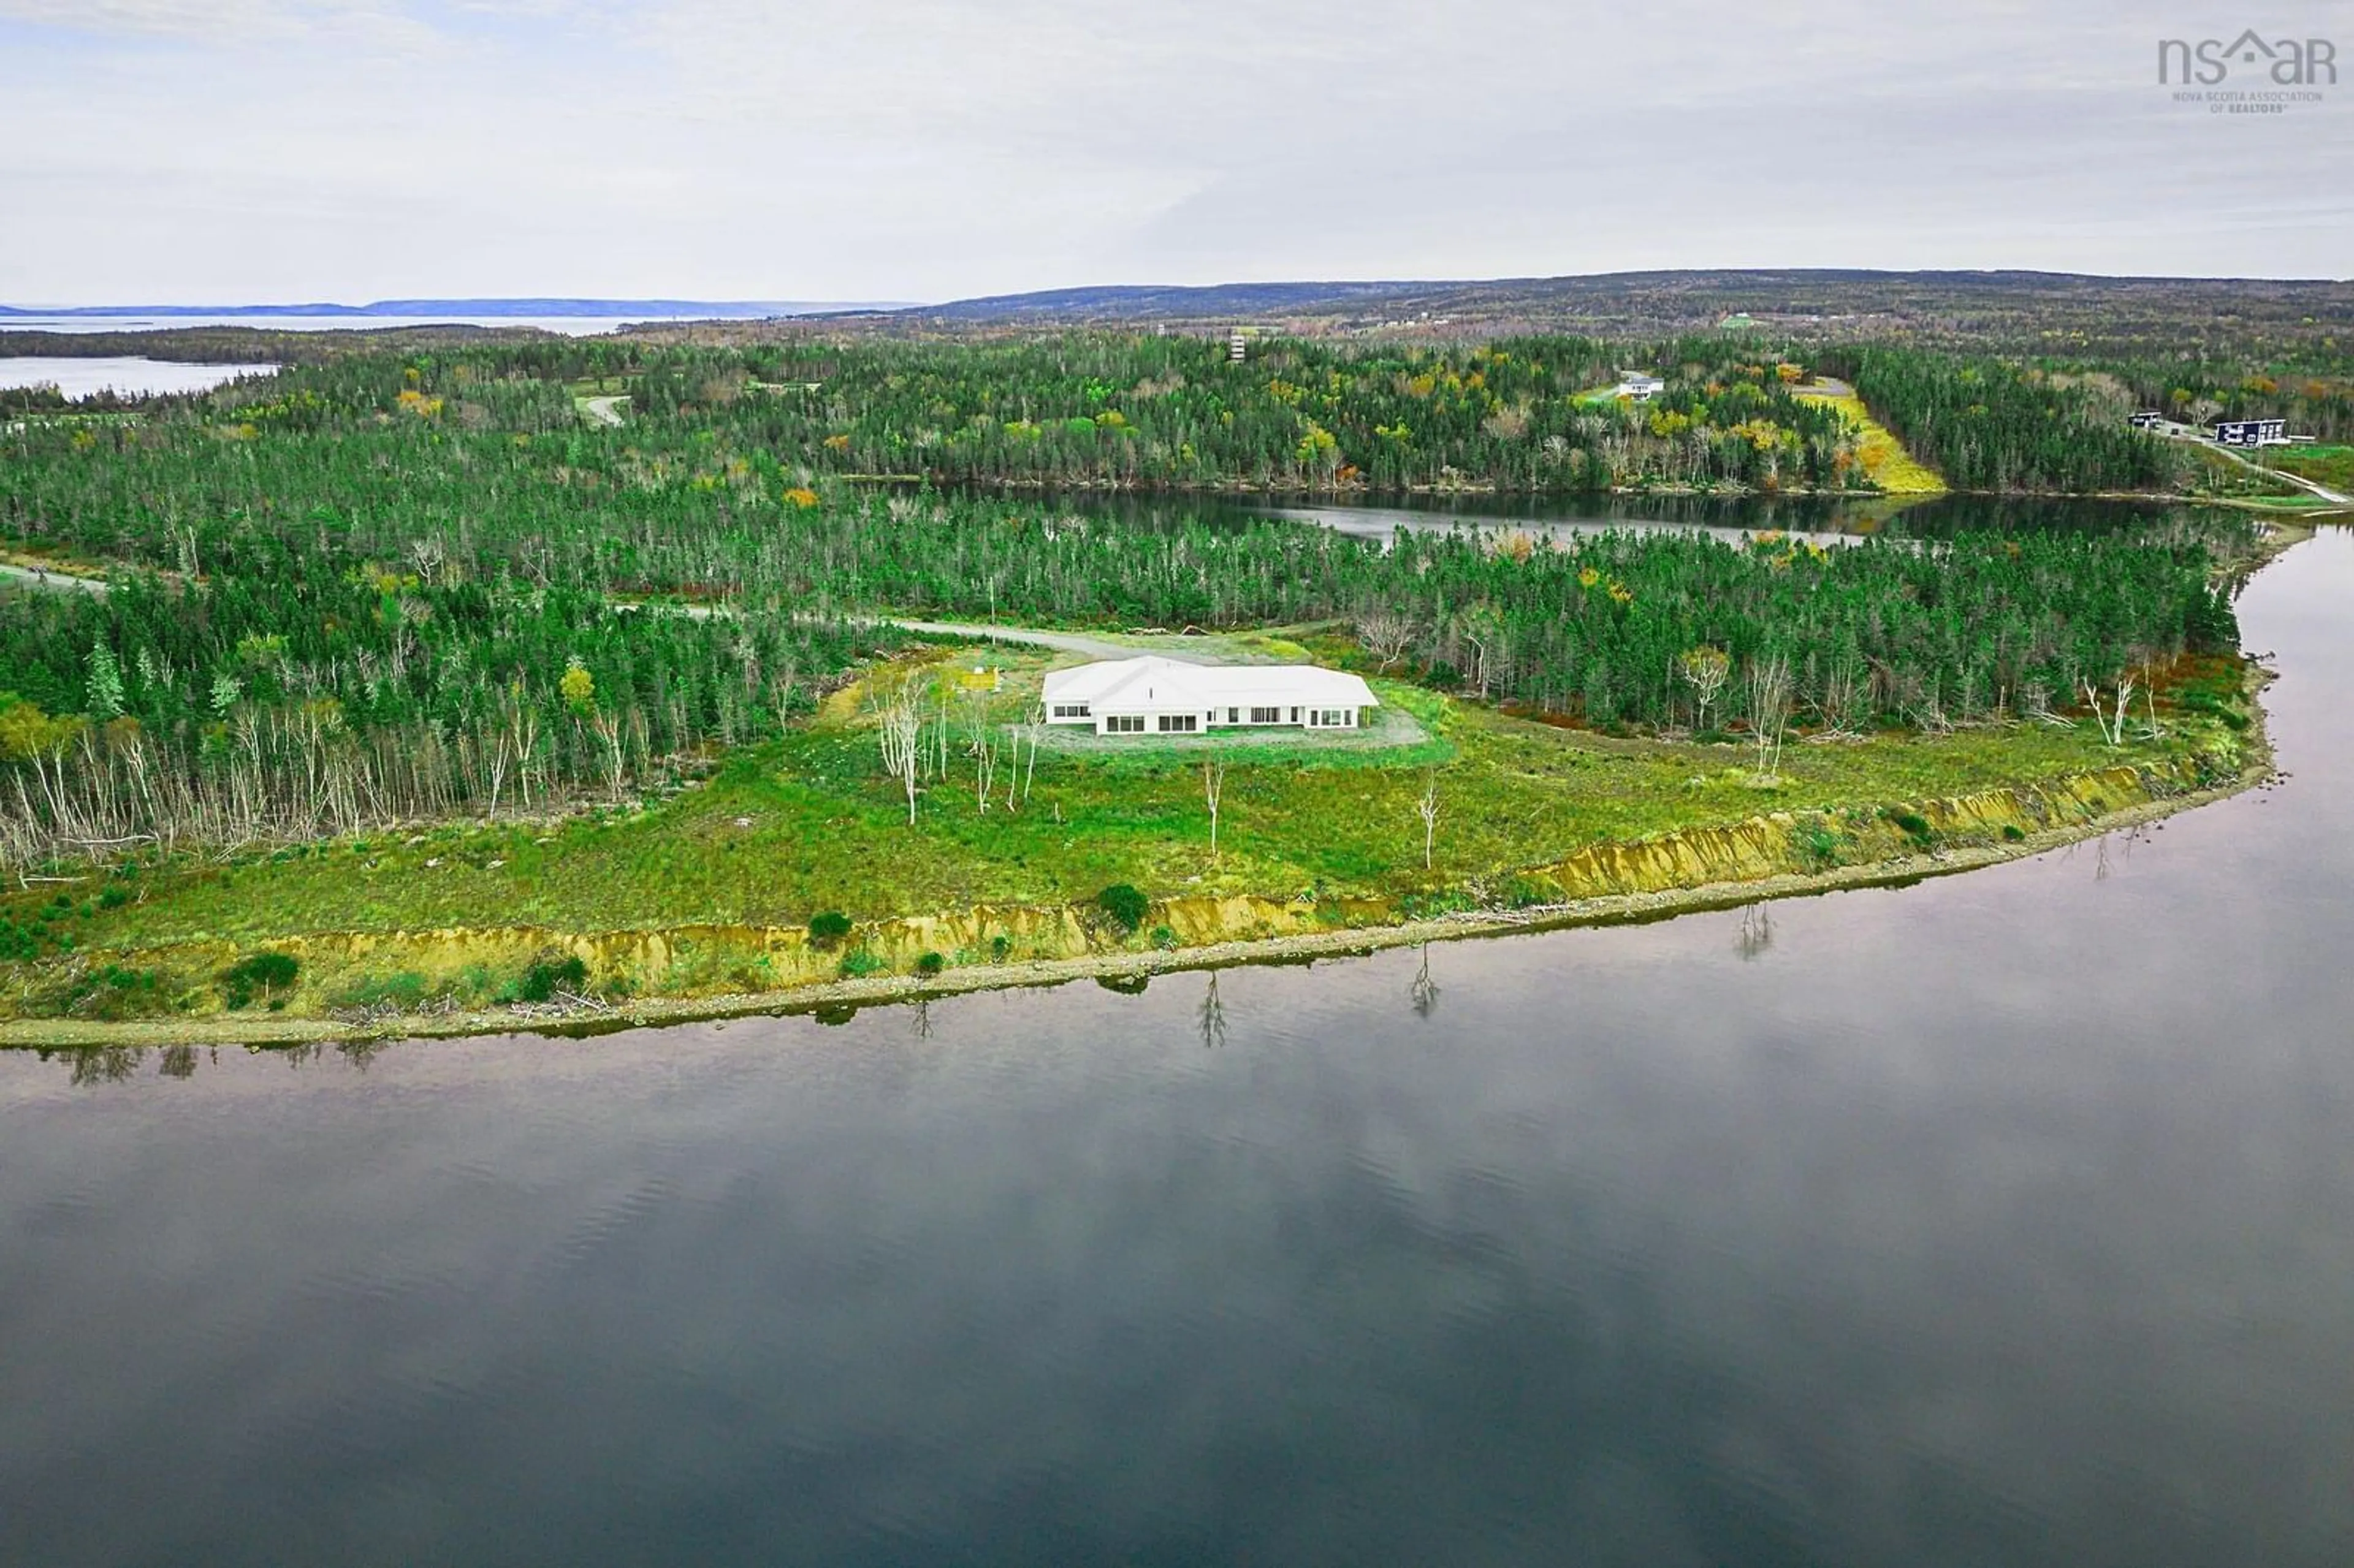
{"points": [[2251, 432]]}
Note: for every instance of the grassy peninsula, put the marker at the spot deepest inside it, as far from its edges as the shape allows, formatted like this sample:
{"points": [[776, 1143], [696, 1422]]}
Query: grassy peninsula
{"points": [[416, 691]]}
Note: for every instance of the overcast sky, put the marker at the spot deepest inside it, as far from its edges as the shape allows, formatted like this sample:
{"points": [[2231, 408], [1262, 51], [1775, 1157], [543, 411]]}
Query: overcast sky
{"points": [[204, 151]]}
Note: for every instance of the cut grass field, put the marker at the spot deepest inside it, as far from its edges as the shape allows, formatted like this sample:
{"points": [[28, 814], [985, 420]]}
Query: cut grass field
{"points": [[1885, 461], [2332, 466], [811, 824]]}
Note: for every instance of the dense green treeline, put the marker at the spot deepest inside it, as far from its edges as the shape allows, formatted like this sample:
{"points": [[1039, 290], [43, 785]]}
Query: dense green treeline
{"points": [[1531, 414], [378, 589], [1989, 423], [1103, 410], [2316, 398], [299, 689]]}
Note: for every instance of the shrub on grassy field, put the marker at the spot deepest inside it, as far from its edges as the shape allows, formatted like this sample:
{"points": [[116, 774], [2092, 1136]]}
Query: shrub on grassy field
{"points": [[1125, 906], [405, 991], [265, 972], [547, 976], [1915, 825]]}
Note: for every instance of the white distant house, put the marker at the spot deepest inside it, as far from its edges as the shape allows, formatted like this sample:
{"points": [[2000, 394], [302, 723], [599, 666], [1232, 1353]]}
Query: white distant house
{"points": [[1152, 695], [1640, 387]]}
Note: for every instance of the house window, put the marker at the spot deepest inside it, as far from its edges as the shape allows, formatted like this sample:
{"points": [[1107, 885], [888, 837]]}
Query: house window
{"points": [[1267, 715], [1234, 716], [1295, 715], [1331, 719], [1124, 724], [1071, 710], [1177, 723]]}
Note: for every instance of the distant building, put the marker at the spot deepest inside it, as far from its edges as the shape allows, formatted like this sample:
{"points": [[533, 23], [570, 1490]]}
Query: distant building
{"points": [[1152, 695], [2251, 432], [2147, 419], [1640, 387]]}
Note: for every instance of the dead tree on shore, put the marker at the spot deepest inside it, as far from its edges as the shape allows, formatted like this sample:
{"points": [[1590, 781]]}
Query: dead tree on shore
{"points": [[1214, 786], [899, 731], [2112, 726], [1769, 710], [1427, 808]]}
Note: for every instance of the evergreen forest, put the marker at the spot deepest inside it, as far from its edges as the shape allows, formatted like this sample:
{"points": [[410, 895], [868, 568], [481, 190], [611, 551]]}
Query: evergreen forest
{"points": [[400, 586]]}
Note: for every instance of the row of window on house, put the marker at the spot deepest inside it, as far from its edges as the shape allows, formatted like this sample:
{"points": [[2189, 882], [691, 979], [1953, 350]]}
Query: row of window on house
{"points": [[1187, 724]]}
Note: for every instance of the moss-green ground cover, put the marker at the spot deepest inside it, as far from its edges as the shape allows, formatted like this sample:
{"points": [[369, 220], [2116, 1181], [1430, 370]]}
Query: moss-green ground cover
{"points": [[2332, 466]]}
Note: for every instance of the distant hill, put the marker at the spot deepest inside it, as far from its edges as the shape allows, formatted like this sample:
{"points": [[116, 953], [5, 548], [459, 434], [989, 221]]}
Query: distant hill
{"points": [[2020, 309], [1804, 299], [1129, 301]]}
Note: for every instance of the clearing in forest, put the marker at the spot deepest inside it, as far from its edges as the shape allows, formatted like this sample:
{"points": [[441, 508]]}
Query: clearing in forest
{"points": [[1885, 461]]}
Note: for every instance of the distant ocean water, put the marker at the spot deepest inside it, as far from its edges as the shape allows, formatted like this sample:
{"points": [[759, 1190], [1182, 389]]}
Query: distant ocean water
{"points": [[129, 376], [82, 376], [570, 326]]}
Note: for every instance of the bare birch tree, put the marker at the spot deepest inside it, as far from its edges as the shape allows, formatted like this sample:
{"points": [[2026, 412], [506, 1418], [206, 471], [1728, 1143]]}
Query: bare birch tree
{"points": [[1385, 634], [2112, 726], [1705, 670], [899, 730], [1214, 786], [1769, 710], [981, 746], [1037, 724], [1427, 808]]}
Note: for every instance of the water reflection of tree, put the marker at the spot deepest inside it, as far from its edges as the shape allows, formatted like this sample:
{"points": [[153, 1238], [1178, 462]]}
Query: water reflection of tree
{"points": [[1423, 992], [1756, 933], [1211, 1015], [359, 1053], [104, 1064], [178, 1062]]}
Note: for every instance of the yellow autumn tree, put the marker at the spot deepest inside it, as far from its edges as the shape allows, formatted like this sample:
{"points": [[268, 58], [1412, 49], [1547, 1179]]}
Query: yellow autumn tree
{"points": [[578, 687]]}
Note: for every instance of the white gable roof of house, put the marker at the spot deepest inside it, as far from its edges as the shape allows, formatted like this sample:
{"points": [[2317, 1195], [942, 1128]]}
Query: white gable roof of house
{"points": [[1151, 683]]}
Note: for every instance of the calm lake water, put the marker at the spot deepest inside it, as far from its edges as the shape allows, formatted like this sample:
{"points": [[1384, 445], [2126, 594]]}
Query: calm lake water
{"points": [[2003, 1219], [130, 376]]}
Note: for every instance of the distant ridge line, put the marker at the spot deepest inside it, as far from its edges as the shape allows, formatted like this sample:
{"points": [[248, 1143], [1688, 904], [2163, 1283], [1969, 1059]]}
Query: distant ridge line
{"points": [[1148, 300]]}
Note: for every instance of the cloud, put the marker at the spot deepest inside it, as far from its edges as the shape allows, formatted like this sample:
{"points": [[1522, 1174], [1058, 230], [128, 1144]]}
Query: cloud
{"points": [[925, 149]]}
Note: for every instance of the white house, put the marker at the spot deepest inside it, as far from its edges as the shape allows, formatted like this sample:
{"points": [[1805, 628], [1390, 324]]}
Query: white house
{"points": [[1151, 696], [1642, 388]]}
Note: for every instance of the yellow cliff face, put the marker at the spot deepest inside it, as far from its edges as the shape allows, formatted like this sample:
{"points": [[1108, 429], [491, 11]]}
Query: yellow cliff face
{"points": [[684, 963], [1798, 844]]}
